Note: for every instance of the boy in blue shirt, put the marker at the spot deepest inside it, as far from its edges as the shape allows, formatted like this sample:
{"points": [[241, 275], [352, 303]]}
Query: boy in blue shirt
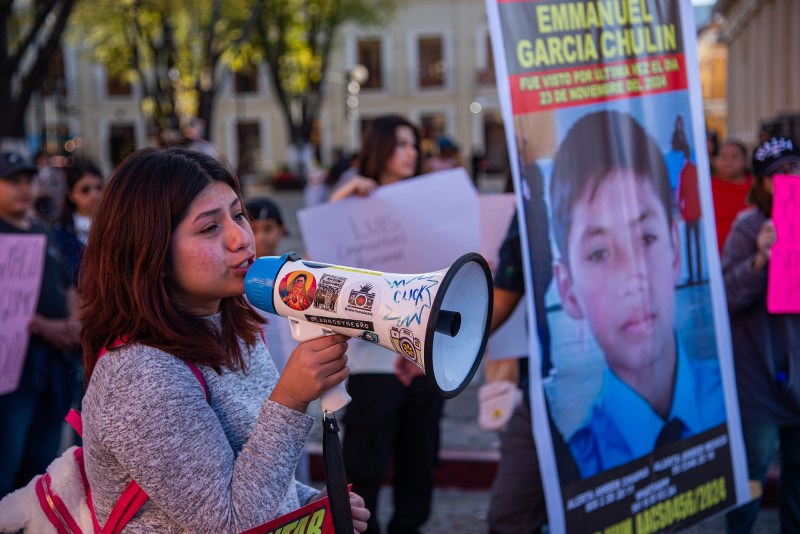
{"points": [[618, 267]]}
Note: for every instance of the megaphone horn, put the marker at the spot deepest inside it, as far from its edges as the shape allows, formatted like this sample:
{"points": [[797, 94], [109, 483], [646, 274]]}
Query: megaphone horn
{"points": [[439, 320]]}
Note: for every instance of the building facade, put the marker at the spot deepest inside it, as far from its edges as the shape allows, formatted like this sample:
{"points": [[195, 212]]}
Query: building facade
{"points": [[763, 67], [432, 63]]}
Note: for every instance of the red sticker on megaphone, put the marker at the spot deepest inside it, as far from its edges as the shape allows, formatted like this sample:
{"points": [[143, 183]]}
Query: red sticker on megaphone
{"points": [[298, 289]]}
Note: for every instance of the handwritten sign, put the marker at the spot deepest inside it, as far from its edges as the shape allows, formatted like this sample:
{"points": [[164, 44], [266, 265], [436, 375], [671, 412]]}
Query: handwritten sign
{"points": [[418, 225], [783, 286], [21, 266]]}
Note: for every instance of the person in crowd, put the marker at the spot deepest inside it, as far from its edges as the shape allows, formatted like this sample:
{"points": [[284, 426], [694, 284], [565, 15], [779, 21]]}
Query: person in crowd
{"points": [[765, 345], [71, 229], [393, 412], [266, 222], [31, 416], [618, 267], [689, 205], [448, 157], [712, 148], [729, 186], [49, 186], [517, 497], [162, 287]]}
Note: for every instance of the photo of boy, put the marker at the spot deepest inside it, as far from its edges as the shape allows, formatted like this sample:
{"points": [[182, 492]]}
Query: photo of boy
{"points": [[618, 266]]}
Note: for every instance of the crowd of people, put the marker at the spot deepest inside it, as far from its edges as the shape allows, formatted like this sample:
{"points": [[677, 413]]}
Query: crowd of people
{"points": [[143, 283]]}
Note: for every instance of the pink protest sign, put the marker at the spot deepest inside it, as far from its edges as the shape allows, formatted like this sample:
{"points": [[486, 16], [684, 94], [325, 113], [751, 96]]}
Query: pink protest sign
{"points": [[783, 290], [21, 265]]}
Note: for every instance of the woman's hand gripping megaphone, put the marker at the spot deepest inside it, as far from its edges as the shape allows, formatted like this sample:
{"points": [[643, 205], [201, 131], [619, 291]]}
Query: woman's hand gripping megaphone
{"points": [[326, 365]]}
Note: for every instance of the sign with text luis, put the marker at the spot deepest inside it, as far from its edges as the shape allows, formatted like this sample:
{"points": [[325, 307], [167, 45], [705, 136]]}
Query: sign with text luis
{"points": [[639, 429], [21, 265], [418, 225]]}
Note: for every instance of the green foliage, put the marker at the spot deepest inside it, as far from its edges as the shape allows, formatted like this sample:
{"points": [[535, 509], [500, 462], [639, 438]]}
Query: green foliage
{"points": [[170, 47]]}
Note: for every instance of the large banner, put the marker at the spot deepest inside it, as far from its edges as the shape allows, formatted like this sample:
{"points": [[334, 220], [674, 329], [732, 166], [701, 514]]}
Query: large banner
{"points": [[638, 430]]}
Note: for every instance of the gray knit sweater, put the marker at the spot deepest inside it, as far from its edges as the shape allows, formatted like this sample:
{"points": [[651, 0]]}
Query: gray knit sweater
{"points": [[225, 465]]}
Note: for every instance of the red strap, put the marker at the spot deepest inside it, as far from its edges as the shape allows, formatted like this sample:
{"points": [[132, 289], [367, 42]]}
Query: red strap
{"points": [[74, 419], [48, 505], [133, 497], [130, 502], [79, 460], [198, 375]]}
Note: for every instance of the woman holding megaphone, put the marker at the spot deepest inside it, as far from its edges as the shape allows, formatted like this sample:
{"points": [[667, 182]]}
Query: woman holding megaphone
{"points": [[393, 412], [183, 397]]}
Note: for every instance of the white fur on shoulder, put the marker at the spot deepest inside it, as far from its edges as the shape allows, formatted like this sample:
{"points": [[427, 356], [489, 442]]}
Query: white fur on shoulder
{"points": [[21, 510]]}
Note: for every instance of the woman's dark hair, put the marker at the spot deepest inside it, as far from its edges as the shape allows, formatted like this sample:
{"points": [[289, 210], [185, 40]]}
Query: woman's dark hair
{"points": [[379, 143], [123, 287], [73, 172]]}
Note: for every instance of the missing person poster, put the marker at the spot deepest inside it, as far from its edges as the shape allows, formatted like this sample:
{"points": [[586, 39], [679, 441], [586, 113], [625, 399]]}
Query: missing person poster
{"points": [[636, 424]]}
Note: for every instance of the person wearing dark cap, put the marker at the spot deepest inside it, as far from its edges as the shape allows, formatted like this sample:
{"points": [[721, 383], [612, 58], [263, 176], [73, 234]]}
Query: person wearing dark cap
{"points": [[765, 345], [267, 224], [31, 416], [448, 157], [268, 230]]}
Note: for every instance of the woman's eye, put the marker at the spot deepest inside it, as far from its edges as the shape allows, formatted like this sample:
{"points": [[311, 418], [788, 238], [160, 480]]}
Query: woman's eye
{"points": [[209, 229], [240, 216], [649, 239]]}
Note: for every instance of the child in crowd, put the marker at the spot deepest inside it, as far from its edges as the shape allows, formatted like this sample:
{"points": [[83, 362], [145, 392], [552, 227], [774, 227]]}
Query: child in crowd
{"points": [[618, 267], [162, 287], [32, 416]]}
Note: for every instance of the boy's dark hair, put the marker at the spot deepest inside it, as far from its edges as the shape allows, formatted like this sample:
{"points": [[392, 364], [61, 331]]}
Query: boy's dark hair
{"points": [[738, 144], [595, 146]]}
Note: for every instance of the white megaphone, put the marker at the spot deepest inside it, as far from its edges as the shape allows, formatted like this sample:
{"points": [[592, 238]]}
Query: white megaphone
{"points": [[438, 320]]}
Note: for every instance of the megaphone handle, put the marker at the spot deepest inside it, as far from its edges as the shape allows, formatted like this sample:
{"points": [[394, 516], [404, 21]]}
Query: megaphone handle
{"points": [[337, 397]]}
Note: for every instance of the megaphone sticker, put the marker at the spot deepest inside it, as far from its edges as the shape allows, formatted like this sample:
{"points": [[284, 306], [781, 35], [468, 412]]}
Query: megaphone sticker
{"points": [[406, 343], [298, 289], [362, 298], [328, 291]]}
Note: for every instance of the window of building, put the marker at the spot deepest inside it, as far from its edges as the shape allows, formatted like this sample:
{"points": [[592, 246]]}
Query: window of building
{"points": [[248, 139], [486, 73], [246, 80], [55, 82], [121, 142], [117, 86], [431, 62], [369, 55]]}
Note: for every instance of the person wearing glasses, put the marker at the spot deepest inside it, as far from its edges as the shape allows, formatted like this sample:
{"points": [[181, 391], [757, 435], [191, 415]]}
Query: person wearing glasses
{"points": [[71, 229]]}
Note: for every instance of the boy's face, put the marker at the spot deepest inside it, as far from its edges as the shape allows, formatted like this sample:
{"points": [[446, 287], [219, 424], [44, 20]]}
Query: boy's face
{"points": [[16, 195], [268, 233], [622, 271]]}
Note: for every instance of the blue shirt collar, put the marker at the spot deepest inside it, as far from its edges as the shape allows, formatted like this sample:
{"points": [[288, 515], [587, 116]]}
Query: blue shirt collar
{"points": [[648, 424]]}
